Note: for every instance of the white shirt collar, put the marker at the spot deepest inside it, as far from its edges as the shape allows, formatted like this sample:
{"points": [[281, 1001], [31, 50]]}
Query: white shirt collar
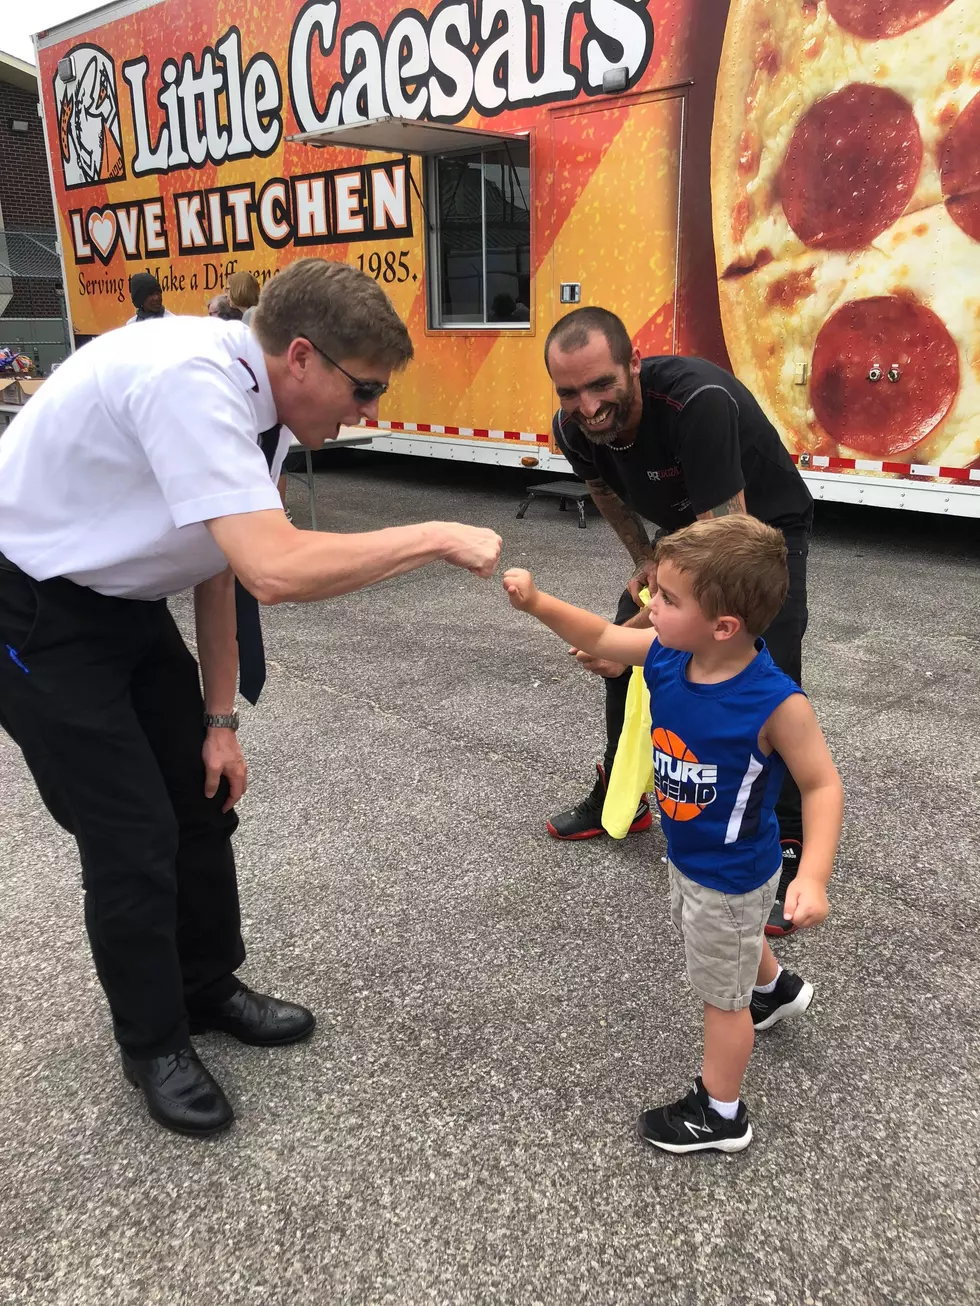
{"points": [[252, 360]]}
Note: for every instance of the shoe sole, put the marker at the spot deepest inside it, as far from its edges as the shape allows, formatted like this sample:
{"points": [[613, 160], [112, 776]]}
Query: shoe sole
{"points": [[789, 1009], [200, 1027], [727, 1145], [170, 1125], [637, 827], [777, 931], [571, 838]]}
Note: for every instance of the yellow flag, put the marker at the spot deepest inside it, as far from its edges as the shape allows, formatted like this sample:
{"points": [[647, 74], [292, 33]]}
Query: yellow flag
{"points": [[632, 772]]}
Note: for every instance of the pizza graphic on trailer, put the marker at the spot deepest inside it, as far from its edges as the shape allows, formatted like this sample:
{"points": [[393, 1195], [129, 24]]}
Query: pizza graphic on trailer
{"points": [[87, 113], [845, 175]]}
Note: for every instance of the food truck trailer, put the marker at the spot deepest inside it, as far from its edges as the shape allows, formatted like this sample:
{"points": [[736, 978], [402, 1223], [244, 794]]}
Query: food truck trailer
{"points": [[788, 187]]}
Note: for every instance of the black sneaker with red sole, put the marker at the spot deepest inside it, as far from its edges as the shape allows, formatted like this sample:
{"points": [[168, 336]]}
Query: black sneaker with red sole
{"points": [[777, 926], [584, 821]]}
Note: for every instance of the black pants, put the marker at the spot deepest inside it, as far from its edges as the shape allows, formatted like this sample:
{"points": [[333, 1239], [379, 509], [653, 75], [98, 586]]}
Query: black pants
{"points": [[108, 715], [784, 639]]}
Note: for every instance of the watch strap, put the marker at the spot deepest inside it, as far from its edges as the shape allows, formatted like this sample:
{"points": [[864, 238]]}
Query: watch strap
{"points": [[221, 720]]}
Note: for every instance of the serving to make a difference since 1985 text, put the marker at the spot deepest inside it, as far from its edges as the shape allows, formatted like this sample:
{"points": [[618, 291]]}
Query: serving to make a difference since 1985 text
{"points": [[387, 266]]}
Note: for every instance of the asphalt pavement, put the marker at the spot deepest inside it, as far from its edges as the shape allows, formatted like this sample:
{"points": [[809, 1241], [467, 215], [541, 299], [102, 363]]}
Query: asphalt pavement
{"points": [[495, 1008]]}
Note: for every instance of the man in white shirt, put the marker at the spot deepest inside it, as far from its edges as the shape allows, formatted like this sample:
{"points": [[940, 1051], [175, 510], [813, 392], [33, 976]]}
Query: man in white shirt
{"points": [[144, 466]]}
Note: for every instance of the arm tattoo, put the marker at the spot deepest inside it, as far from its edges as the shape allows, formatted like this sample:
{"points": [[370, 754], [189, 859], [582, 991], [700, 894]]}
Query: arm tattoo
{"points": [[626, 523], [735, 504]]}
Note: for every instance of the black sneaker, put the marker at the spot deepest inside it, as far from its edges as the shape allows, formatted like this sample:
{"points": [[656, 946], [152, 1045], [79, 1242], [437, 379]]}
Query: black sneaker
{"points": [[778, 926], [691, 1125], [789, 998], [584, 821]]}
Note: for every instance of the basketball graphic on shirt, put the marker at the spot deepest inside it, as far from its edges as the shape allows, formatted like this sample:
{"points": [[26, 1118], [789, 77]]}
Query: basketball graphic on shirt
{"points": [[684, 786]]}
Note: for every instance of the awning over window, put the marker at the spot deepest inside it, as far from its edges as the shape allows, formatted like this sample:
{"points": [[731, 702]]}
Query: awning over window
{"points": [[406, 136]]}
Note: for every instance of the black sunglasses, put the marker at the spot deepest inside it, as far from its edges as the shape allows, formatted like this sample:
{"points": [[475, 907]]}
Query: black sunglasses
{"points": [[365, 392]]}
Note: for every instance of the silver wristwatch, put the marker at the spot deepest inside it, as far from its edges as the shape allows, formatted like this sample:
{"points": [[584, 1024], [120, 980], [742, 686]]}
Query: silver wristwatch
{"points": [[225, 721]]}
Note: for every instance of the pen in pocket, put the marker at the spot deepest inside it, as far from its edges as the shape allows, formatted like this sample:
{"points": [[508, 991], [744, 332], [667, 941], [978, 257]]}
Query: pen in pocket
{"points": [[16, 660]]}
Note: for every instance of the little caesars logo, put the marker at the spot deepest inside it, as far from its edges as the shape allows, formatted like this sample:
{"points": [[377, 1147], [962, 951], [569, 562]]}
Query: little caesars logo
{"points": [[222, 103], [88, 120], [685, 786]]}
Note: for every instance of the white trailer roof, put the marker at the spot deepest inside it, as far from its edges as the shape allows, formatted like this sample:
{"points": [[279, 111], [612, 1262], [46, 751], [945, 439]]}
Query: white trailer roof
{"points": [[107, 13]]}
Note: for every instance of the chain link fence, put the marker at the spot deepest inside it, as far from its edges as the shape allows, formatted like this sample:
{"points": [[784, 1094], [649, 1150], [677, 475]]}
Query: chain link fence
{"points": [[33, 320]]}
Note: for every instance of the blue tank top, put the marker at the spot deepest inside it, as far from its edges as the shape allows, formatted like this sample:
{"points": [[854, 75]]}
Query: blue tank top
{"points": [[716, 791]]}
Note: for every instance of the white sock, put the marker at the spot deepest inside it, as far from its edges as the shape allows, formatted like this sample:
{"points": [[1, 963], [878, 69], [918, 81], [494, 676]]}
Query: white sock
{"points": [[727, 1110], [768, 988]]}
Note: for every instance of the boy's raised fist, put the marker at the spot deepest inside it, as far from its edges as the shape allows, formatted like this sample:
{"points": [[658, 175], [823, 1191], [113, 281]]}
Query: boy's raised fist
{"points": [[520, 588]]}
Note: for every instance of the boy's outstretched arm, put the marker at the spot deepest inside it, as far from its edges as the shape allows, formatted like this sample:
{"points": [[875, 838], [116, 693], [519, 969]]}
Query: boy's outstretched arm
{"points": [[794, 732], [584, 629]]}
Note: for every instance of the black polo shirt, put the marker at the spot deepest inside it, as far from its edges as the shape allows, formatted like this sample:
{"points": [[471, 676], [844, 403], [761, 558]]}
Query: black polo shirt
{"points": [[702, 438]]}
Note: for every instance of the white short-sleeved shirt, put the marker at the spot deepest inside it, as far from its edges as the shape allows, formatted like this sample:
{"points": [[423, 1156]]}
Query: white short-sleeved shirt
{"points": [[140, 437]]}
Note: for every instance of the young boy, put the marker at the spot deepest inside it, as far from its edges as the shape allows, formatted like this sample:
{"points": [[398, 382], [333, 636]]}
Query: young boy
{"points": [[726, 724]]}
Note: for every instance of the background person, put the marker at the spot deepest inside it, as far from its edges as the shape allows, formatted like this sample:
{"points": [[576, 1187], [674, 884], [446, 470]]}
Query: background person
{"points": [[147, 297], [242, 289], [220, 306]]}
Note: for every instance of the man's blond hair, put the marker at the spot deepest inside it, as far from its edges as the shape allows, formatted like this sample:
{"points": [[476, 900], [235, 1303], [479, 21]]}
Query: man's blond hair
{"points": [[737, 567], [335, 306]]}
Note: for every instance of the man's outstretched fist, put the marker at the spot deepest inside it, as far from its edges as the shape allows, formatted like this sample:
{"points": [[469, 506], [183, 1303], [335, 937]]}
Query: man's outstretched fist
{"points": [[472, 547]]}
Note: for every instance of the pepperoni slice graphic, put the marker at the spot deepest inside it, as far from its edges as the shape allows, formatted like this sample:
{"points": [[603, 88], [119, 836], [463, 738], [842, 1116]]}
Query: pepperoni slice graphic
{"points": [[959, 166], [876, 19], [882, 417], [851, 167]]}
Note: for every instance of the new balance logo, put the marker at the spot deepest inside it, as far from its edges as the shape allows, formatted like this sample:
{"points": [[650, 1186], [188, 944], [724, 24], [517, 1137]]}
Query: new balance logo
{"points": [[697, 1129]]}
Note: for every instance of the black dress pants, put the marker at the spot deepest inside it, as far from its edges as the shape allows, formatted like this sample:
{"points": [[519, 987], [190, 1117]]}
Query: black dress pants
{"points": [[784, 639], [104, 700]]}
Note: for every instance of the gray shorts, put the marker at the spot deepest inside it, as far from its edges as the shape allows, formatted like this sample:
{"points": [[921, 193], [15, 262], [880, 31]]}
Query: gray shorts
{"points": [[723, 935]]}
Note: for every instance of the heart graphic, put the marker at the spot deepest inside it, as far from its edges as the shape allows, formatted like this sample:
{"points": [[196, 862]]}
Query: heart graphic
{"points": [[104, 230]]}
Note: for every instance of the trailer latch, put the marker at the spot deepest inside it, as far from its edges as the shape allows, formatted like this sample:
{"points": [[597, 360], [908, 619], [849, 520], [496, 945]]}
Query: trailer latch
{"points": [[875, 373], [894, 372]]}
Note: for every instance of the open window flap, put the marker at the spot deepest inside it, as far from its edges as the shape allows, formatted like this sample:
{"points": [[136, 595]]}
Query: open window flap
{"points": [[406, 136]]}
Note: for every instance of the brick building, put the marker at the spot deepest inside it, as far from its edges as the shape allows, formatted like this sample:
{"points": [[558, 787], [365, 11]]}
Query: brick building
{"points": [[31, 298]]}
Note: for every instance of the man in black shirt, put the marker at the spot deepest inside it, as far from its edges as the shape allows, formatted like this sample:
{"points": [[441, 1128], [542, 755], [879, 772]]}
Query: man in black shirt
{"points": [[669, 440]]}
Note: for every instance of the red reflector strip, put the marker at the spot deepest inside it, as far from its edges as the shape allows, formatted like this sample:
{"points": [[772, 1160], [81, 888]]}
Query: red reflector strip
{"points": [[476, 433], [822, 463]]}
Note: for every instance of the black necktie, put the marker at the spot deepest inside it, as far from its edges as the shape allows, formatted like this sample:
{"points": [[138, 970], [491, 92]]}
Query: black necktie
{"points": [[251, 653]]}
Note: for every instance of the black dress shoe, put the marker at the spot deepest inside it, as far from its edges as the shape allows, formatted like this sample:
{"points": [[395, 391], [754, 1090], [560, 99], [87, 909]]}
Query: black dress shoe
{"points": [[255, 1018], [180, 1093]]}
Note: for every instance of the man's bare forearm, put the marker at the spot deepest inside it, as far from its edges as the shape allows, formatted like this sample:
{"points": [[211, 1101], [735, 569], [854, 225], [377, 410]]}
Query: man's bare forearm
{"points": [[626, 523], [641, 621], [278, 563], [217, 646], [355, 560]]}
